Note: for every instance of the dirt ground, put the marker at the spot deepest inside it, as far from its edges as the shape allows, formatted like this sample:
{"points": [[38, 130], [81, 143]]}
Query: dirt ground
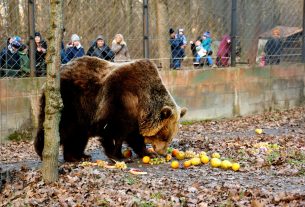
{"points": [[272, 170]]}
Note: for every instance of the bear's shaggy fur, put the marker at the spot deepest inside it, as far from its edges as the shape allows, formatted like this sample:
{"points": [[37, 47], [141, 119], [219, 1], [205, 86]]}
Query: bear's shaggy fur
{"points": [[118, 102]]}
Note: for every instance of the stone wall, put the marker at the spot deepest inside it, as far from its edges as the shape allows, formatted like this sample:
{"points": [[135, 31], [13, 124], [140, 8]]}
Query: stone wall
{"points": [[208, 94]]}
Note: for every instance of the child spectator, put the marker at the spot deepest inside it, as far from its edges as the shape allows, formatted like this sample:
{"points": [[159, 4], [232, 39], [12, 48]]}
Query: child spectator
{"points": [[40, 55], [200, 52], [75, 49], [177, 51], [181, 36], [224, 52], [119, 47], [206, 44], [100, 49]]}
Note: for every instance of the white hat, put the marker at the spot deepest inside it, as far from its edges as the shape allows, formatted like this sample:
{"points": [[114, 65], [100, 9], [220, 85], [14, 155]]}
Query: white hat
{"points": [[74, 38]]}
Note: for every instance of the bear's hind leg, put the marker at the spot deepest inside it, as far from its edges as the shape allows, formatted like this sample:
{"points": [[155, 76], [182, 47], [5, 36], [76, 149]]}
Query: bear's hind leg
{"points": [[74, 144], [112, 148]]}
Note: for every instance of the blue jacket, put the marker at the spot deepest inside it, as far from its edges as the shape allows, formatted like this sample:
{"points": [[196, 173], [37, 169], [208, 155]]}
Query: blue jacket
{"points": [[9, 60], [74, 52], [177, 51], [206, 44]]}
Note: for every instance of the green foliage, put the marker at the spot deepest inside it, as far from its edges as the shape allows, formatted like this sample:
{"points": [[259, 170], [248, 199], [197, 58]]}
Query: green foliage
{"points": [[20, 135]]}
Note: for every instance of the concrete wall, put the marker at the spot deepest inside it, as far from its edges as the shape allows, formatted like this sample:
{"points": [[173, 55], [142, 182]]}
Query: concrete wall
{"points": [[208, 94], [225, 93]]}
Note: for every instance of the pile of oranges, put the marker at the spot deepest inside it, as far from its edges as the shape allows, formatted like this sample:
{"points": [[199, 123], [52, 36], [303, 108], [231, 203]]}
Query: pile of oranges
{"points": [[196, 159]]}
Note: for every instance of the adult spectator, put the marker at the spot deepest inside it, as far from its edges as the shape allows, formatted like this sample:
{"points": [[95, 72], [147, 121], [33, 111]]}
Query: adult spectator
{"points": [[74, 49], [120, 49], [10, 59], [100, 49], [273, 48], [176, 50], [40, 55], [63, 55], [206, 44], [224, 52], [24, 61]]}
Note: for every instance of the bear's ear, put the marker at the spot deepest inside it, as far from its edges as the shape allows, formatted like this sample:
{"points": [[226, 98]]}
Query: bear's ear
{"points": [[183, 112], [166, 112]]}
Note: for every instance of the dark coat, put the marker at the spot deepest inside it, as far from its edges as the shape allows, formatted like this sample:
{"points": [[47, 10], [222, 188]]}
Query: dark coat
{"points": [[74, 52], [176, 50], [9, 60], [273, 50], [103, 52]]}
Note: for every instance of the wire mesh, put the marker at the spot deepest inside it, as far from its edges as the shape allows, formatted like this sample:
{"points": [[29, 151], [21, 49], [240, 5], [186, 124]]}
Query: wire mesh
{"points": [[93, 20], [90, 21]]}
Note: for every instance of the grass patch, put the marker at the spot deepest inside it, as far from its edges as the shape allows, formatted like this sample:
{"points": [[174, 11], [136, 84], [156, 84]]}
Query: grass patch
{"points": [[21, 135]]}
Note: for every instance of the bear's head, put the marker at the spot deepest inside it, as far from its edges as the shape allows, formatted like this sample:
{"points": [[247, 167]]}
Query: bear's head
{"points": [[167, 127]]}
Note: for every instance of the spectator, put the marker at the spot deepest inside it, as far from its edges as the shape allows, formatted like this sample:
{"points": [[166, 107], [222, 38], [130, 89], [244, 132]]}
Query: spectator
{"points": [[100, 49], [224, 52], [181, 36], [9, 58], [63, 56], [193, 47], [74, 49], [176, 50], [40, 55], [273, 48], [24, 60], [206, 44], [200, 53], [119, 47]]}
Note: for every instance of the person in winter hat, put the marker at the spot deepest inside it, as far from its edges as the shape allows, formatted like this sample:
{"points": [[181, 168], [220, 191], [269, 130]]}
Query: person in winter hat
{"points": [[75, 49], [40, 54], [177, 51], [206, 44], [100, 49]]}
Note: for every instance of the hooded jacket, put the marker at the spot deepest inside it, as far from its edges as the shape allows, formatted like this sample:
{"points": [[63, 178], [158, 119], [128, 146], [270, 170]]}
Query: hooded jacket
{"points": [[103, 52]]}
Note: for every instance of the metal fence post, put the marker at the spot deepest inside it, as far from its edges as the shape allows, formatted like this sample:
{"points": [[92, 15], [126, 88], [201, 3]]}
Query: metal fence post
{"points": [[145, 29], [233, 32], [303, 34], [31, 22]]}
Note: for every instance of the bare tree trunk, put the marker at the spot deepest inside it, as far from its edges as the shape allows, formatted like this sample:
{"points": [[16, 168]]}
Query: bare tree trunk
{"points": [[53, 98], [14, 16], [162, 33]]}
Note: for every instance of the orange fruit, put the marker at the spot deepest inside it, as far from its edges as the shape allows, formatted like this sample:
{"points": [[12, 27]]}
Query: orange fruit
{"points": [[215, 162], [195, 161], [145, 159], [235, 166], [168, 157], [127, 153], [204, 159], [216, 155], [180, 155], [175, 152], [175, 164], [187, 164]]}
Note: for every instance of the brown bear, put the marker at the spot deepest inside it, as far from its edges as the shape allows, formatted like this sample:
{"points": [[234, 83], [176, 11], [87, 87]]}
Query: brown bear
{"points": [[118, 102]]}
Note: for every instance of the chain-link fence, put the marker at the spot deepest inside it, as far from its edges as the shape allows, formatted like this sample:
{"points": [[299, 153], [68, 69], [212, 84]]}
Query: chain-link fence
{"points": [[205, 37], [177, 34]]}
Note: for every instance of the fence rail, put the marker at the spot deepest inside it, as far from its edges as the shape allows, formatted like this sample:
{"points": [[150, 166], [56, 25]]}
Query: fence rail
{"points": [[145, 26]]}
